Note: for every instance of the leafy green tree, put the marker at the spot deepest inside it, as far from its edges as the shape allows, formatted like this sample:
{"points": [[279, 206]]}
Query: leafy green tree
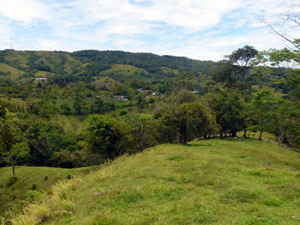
{"points": [[243, 58], [47, 110], [44, 139], [186, 80], [98, 106], [189, 118], [183, 96], [65, 109], [232, 72], [287, 62], [107, 136], [229, 110], [264, 107], [143, 129], [285, 123], [14, 145], [80, 106]]}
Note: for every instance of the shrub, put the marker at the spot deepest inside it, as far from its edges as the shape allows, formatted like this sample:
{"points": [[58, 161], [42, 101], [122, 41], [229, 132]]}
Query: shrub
{"points": [[11, 181], [33, 195]]}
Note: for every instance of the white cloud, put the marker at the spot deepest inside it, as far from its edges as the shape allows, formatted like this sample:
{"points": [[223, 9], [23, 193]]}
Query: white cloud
{"points": [[24, 11], [193, 14], [5, 37], [201, 29]]}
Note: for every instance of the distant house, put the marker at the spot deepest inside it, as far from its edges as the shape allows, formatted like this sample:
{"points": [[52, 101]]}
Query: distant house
{"points": [[41, 78], [163, 68], [155, 94]]}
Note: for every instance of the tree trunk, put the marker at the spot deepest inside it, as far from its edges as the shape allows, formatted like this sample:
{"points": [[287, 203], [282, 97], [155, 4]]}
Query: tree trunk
{"points": [[13, 169], [260, 135], [221, 134], [280, 138], [245, 133], [233, 133], [183, 133]]}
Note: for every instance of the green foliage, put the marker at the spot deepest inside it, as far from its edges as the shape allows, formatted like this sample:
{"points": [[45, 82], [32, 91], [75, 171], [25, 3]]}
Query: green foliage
{"points": [[107, 136], [188, 118], [11, 181], [19, 192], [144, 130], [264, 108], [233, 73], [229, 110], [14, 146], [2, 110], [44, 138], [286, 124], [33, 195]]}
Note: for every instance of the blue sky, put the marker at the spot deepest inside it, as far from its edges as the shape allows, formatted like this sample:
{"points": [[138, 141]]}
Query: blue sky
{"points": [[199, 29]]}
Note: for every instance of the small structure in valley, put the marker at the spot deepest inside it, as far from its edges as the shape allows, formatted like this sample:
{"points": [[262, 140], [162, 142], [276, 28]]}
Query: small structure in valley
{"points": [[41, 78]]}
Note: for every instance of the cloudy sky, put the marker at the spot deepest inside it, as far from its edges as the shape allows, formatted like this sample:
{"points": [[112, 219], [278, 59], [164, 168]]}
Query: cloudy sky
{"points": [[199, 29]]}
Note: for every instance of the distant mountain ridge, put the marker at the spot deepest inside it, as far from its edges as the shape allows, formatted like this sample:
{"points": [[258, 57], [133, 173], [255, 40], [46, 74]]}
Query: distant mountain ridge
{"points": [[23, 64]]}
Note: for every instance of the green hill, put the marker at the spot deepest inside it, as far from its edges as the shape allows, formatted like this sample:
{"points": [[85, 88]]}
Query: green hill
{"points": [[208, 182], [14, 194], [123, 72], [9, 71]]}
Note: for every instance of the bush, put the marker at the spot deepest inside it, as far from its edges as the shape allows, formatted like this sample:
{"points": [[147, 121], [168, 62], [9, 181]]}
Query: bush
{"points": [[123, 113], [33, 195], [11, 181]]}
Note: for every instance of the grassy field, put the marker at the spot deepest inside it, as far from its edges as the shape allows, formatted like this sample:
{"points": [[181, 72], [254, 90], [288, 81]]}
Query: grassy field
{"points": [[13, 72], [242, 181], [14, 194], [120, 72]]}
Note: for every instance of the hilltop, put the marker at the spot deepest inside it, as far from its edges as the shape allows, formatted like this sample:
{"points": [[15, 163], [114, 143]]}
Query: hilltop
{"points": [[242, 181]]}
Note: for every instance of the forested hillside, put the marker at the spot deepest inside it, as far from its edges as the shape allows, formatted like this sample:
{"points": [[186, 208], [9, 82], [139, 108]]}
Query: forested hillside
{"points": [[71, 110], [82, 108]]}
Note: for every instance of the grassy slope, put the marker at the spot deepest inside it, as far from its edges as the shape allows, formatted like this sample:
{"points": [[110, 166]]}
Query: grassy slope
{"points": [[12, 196], [14, 73], [207, 182], [126, 70]]}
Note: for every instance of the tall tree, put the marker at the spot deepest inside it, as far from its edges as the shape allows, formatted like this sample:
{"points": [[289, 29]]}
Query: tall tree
{"points": [[189, 118], [287, 62], [14, 145], [229, 110], [107, 136], [232, 71], [264, 108]]}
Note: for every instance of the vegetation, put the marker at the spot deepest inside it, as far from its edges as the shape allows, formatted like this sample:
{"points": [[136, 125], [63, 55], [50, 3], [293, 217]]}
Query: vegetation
{"points": [[71, 110], [228, 181], [30, 185]]}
